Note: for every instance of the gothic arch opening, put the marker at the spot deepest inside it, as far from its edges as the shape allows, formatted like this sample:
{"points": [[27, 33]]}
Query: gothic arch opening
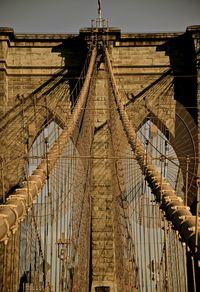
{"points": [[184, 144], [58, 222]]}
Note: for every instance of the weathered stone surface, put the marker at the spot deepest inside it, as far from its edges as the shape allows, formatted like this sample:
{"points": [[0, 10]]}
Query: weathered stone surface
{"points": [[28, 60], [139, 61], [102, 214]]}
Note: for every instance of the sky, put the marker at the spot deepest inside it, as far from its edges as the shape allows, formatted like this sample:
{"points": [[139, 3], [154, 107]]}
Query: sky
{"points": [[68, 16]]}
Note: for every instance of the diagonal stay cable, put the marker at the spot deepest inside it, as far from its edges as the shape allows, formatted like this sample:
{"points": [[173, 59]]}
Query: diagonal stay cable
{"points": [[19, 202], [45, 88], [176, 211]]}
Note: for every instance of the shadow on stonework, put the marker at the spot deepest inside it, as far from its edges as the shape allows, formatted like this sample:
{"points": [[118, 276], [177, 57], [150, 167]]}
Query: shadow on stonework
{"points": [[182, 58], [73, 51]]}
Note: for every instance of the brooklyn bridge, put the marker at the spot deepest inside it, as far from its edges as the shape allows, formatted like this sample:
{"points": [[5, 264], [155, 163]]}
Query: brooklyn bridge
{"points": [[99, 161]]}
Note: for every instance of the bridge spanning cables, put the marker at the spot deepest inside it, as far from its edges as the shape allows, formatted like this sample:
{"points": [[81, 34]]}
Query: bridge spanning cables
{"points": [[90, 201]]}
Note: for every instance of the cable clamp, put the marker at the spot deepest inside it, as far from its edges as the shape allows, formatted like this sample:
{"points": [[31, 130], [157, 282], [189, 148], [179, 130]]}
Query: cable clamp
{"points": [[185, 217], [180, 207], [7, 235], [193, 228], [35, 183], [13, 208]]}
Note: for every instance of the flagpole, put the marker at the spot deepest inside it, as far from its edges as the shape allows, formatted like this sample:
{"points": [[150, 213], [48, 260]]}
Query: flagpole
{"points": [[99, 12]]}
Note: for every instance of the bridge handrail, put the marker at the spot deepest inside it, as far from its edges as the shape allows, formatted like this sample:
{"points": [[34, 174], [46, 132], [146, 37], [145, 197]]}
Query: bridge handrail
{"points": [[19, 203], [179, 214]]}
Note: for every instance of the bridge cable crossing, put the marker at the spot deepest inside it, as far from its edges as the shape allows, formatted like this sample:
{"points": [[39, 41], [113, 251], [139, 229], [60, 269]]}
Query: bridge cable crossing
{"points": [[15, 214], [172, 205]]}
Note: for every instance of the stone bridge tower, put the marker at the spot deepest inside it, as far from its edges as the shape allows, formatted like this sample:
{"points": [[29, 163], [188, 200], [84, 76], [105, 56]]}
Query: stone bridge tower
{"points": [[141, 62]]}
